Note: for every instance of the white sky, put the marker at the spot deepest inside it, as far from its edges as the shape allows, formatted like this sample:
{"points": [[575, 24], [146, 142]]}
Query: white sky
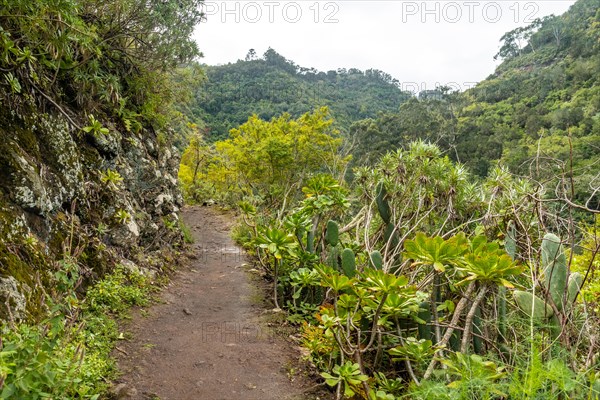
{"points": [[420, 43]]}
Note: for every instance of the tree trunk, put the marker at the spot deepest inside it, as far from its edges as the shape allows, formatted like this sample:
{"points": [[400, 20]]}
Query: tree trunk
{"points": [[466, 339], [462, 304]]}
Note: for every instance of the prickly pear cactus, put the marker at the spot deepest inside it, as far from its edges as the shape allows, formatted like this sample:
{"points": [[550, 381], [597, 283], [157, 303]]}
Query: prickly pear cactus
{"points": [[554, 264], [391, 236], [510, 245], [510, 241], [310, 241], [332, 233], [376, 260], [533, 306], [348, 263], [333, 256], [383, 205], [575, 283]]}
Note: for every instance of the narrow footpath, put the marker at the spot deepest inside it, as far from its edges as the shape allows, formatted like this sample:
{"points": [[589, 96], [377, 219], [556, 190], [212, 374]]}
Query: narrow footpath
{"points": [[211, 337]]}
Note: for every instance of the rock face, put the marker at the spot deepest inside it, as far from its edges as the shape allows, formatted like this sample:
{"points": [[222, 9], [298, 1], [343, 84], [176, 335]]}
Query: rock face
{"points": [[11, 296], [100, 198]]}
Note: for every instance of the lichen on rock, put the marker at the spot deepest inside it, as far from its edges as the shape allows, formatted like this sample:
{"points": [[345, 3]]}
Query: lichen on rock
{"points": [[12, 301]]}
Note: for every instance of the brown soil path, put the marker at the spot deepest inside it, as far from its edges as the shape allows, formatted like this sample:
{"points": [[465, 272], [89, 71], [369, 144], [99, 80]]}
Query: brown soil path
{"points": [[209, 339]]}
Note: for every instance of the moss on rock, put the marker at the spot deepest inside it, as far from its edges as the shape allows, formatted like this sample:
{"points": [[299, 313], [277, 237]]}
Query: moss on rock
{"points": [[54, 204]]}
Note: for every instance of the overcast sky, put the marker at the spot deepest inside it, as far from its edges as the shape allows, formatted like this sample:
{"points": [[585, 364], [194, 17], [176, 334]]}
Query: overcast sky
{"points": [[420, 43]]}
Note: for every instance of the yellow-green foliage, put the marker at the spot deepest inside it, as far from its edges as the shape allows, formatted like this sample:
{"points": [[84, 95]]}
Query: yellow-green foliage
{"points": [[268, 159], [195, 164], [588, 259], [118, 291]]}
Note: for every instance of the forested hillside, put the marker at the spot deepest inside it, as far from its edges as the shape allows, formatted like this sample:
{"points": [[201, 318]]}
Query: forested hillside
{"points": [[542, 100], [271, 85]]}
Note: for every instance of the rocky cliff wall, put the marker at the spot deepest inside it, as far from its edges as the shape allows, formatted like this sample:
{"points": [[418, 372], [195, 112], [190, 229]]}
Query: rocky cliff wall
{"points": [[89, 199]]}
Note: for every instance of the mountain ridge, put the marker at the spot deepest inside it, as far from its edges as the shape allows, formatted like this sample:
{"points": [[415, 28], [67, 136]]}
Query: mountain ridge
{"points": [[271, 85]]}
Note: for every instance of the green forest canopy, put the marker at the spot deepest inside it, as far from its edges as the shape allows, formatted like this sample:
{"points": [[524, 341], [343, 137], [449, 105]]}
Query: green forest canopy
{"points": [[272, 85]]}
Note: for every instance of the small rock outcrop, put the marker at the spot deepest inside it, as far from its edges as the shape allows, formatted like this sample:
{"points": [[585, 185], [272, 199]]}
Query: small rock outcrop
{"points": [[12, 299]]}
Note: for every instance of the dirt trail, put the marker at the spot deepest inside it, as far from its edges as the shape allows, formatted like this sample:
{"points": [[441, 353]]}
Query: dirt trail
{"points": [[208, 339]]}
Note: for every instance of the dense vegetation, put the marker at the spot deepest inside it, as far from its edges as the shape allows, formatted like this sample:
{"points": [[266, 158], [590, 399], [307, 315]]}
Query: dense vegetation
{"points": [[272, 85], [111, 57], [418, 280], [424, 277]]}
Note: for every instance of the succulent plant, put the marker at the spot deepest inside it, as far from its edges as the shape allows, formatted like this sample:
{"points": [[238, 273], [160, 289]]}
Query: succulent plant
{"points": [[348, 263], [383, 206], [310, 241], [554, 264], [390, 235], [332, 233], [532, 305], [333, 255], [562, 289], [376, 260], [575, 283], [510, 245]]}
